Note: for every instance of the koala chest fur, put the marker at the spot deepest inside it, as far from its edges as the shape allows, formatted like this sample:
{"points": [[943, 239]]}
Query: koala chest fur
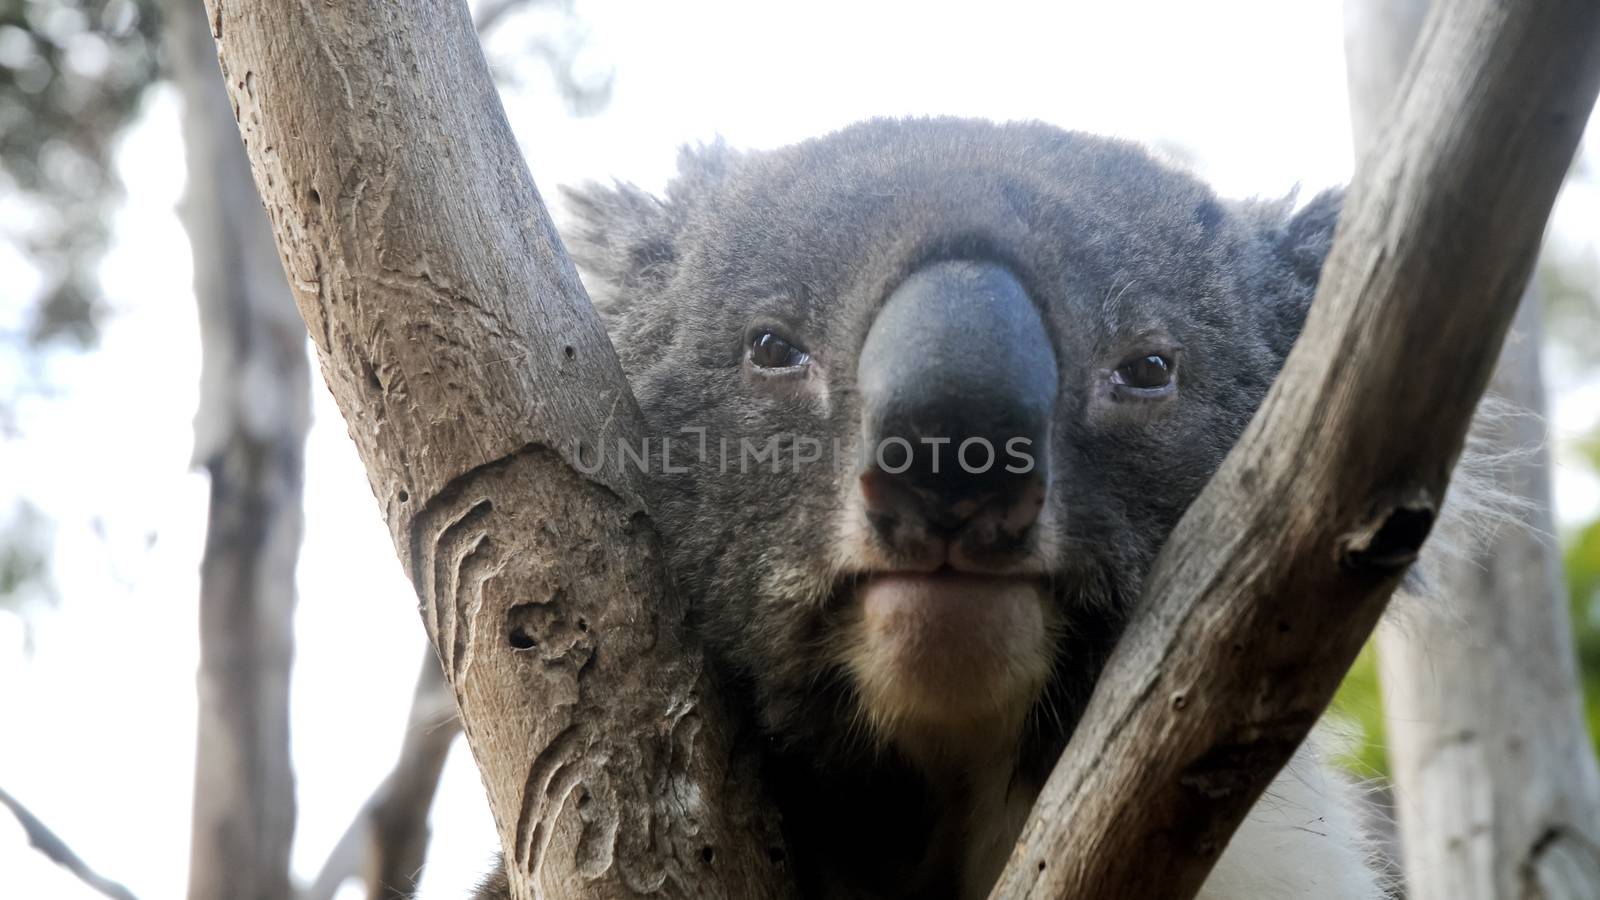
{"points": [[936, 392]]}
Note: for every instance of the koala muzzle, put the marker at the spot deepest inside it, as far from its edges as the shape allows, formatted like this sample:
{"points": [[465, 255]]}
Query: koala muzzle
{"points": [[958, 382]]}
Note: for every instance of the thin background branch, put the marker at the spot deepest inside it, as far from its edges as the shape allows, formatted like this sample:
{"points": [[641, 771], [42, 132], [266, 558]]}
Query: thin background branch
{"points": [[386, 843], [57, 851]]}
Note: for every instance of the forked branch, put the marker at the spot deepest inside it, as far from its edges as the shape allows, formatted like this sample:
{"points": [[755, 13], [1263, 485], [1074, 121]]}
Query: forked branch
{"points": [[1278, 573]]}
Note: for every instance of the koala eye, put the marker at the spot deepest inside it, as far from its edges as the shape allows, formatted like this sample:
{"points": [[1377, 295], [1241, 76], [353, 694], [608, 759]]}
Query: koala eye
{"points": [[769, 351], [1147, 374]]}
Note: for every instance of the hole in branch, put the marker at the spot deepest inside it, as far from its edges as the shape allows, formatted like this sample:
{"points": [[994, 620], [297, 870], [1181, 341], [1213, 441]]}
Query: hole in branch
{"points": [[544, 626], [707, 854], [1391, 543]]}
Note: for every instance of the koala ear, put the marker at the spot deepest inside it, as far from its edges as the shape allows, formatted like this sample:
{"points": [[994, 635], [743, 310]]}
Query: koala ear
{"points": [[702, 168], [620, 237], [1308, 235], [624, 239], [1296, 246]]}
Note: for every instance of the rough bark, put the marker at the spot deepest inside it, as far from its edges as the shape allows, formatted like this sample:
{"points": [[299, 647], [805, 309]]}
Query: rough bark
{"points": [[1497, 789], [1278, 573], [386, 844], [249, 437], [469, 366]]}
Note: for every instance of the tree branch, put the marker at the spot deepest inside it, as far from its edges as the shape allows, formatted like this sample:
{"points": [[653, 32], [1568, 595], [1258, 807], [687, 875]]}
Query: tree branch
{"points": [[470, 366], [1278, 573], [386, 843], [57, 851], [492, 12], [1498, 794]]}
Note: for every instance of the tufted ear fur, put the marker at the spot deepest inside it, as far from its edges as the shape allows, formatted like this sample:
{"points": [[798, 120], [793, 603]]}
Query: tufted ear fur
{"points": [[624, 239], [620, 237], [1293, 246], [1307, 236]]}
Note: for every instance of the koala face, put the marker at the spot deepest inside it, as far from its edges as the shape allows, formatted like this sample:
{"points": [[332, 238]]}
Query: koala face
{"points": [[932, 394]]}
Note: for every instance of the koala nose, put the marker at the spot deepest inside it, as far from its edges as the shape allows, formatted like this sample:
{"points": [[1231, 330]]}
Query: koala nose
{"points": [[957, 382]]}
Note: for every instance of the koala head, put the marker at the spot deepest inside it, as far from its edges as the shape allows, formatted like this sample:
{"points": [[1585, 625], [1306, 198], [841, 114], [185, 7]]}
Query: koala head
{"points": [[928, 396]]}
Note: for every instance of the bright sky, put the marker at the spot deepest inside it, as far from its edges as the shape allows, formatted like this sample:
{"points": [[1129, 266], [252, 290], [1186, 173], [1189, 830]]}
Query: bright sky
{"points": [[99, 720]]}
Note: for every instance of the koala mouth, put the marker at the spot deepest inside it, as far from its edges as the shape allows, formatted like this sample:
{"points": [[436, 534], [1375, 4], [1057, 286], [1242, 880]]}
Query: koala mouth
{"points": [[942, 654]]}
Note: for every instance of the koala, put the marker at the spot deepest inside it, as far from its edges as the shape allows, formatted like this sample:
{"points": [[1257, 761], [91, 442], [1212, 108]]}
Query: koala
{"points": [[936, 391]]}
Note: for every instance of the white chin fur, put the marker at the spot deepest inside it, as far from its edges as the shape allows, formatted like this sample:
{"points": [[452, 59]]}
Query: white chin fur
{"points": [[933, 655]]}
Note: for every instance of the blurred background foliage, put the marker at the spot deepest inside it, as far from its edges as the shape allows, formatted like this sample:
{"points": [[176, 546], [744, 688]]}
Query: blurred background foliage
{"points": [[1360, 702], [1583, 582], [72, 75]]}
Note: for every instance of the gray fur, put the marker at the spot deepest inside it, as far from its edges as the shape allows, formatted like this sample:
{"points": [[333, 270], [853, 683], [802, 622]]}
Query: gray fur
{"points": [[1113, 245]]}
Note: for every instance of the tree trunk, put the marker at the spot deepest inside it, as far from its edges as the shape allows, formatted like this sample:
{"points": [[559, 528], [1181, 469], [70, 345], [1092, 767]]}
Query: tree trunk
{"points": [[1496, 784], [1277, 574], [470, 366], [250, 437]]}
